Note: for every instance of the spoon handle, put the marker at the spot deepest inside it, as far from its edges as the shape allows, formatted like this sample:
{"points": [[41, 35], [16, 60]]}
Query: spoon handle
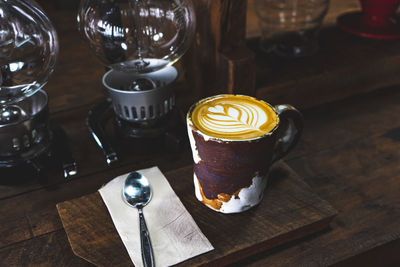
{"points": [[147, 249]]}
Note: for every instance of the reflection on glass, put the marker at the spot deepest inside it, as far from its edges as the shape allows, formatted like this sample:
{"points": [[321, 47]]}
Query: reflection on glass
{"points": [[290, 27], [28, 49], [137, 35]]}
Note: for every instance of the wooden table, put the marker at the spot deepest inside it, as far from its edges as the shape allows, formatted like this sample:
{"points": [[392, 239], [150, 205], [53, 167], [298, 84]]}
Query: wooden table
{"points": [[349, 154]]}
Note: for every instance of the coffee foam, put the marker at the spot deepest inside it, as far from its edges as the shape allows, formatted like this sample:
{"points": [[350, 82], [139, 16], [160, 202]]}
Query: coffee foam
{"points": [[234, 117]]}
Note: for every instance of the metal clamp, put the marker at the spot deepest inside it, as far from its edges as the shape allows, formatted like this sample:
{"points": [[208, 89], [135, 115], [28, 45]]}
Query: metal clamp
{"points": [[94, 123]]}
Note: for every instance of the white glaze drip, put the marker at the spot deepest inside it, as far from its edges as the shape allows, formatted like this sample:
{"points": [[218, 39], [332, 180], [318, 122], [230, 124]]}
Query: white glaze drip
{"points": [[248, 197]]}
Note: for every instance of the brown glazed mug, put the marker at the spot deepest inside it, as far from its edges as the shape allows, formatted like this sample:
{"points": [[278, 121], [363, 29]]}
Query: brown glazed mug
{"points": [[231, 164]]}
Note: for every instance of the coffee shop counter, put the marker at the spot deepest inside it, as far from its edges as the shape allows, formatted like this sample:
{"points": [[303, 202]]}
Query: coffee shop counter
{"points": [[349, 155]]}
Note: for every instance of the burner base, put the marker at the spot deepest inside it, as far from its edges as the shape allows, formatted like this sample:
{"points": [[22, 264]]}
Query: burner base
{"points": [[165, 133], [53, 156], [150, 129]]}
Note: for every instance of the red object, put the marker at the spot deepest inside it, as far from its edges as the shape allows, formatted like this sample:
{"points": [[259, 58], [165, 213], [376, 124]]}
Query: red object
{"points": [[377, 20]]}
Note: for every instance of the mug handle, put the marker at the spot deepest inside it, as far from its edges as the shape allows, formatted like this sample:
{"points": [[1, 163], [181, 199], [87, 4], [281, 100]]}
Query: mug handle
{"points": [[292, 122]]}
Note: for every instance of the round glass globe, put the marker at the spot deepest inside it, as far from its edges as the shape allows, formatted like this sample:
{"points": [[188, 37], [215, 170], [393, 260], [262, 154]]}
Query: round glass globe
{"points": [[137, 36], [28, 49]]}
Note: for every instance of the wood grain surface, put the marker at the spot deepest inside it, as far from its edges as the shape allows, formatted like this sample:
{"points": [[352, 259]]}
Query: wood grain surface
{"points": [[349, 153], [289, 210]]}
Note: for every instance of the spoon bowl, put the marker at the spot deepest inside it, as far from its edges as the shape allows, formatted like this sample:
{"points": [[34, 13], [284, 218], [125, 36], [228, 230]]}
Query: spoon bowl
{"points": [[137, 193]]}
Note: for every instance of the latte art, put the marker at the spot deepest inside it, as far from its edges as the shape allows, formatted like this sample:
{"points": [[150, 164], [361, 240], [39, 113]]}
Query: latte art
{"points": [[234, 117]]}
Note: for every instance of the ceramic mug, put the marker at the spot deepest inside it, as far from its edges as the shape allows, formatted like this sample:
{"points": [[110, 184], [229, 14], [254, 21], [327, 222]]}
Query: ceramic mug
{"points": [[231, 165]]}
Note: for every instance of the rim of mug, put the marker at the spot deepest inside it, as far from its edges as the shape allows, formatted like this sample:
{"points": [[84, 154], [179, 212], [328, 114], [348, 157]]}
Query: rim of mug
{"points": [[193, 106]]}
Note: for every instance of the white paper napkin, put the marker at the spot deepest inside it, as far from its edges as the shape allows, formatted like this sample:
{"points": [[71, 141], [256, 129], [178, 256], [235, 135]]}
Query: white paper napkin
{"points": [[174, 234]]}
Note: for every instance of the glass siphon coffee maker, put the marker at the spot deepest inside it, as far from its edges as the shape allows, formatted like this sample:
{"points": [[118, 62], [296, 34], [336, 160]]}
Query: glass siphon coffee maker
{"points": [[28, 53], [138, 40]]}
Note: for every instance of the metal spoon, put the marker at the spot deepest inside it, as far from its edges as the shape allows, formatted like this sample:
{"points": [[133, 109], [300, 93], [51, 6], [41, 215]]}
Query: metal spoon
{"points": [[137, 193]]}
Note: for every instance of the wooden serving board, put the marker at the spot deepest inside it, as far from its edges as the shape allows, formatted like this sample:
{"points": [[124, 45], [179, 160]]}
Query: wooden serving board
{"points": [[289, 210]]}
